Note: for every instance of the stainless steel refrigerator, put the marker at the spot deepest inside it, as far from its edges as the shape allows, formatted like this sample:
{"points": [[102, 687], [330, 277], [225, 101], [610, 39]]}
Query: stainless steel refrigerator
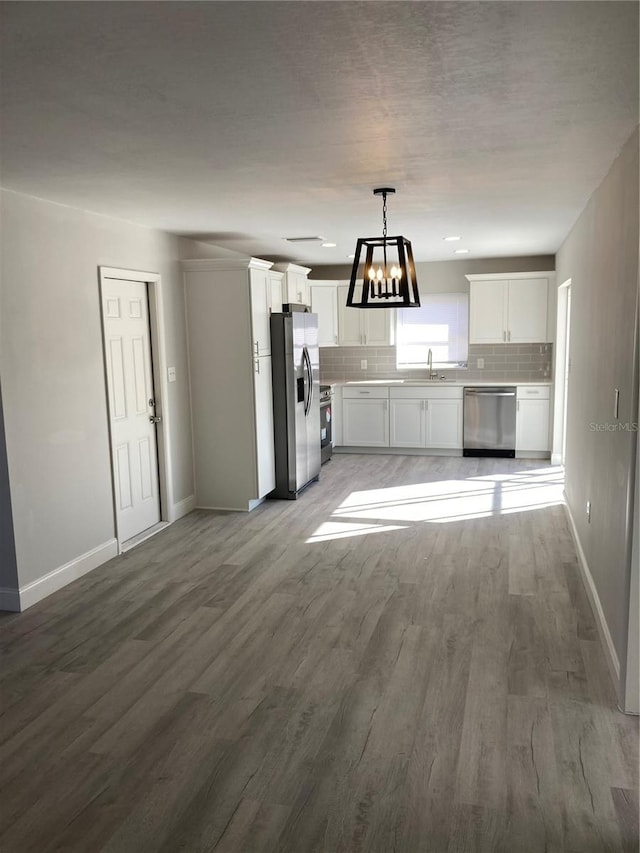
{"points": [[296, 399]]}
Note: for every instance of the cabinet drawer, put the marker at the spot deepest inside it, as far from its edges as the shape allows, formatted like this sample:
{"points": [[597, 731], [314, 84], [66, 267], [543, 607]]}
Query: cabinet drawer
{"points": [[533, 392], [425, 392], [362, 392]]}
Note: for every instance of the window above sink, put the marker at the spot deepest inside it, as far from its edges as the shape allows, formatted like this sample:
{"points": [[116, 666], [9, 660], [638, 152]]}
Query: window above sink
{"points": [[441, 325]]}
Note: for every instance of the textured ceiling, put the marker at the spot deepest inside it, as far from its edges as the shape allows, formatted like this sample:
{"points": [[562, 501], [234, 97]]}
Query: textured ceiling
{"points": [[246, 122]]}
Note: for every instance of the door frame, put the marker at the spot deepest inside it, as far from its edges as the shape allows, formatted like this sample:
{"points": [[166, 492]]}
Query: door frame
{"points": [[561, 367], [155, 299]]}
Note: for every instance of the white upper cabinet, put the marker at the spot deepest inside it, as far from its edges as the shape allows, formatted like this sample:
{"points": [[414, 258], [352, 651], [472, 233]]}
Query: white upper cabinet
{"points": [[260, 312], [528, 310], [324, 303], [370, 327], [509, 308], [487, 312], [295, 286], [275, 282]]}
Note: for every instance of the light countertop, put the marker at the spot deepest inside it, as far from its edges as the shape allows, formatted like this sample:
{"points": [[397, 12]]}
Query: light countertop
{"points": [[435, 382]]}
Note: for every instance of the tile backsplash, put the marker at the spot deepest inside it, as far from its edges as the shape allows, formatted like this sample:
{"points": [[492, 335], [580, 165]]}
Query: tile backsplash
{"points": [[502, 362]]}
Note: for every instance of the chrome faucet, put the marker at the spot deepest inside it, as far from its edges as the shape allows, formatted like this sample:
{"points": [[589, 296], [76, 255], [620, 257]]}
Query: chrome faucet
{"points": [[432, 375]]}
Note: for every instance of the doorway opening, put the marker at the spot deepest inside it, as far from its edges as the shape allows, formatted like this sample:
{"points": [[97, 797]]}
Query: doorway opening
{"points": [[561, 374], [134, 359]]}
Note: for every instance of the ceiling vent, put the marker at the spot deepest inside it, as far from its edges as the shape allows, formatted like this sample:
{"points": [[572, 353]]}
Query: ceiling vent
{"points": [[304, 239]]}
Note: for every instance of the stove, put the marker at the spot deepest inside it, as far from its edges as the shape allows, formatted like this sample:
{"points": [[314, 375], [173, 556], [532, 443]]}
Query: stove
{"points": [[326, 400]]}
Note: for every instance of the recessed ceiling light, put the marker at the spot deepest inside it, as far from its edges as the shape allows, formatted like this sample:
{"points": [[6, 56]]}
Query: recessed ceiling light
{"points": [[329, 245], [450, 239], [461, 252]]}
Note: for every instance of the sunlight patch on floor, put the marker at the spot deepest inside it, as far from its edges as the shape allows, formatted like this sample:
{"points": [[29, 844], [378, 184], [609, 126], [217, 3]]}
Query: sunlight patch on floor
{"points": [[342, 530], [443, 501]]}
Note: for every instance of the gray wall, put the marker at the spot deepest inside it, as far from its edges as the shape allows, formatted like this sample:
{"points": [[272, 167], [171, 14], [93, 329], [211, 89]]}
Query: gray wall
{"points": [[600, 256], [53, 376], [449, 276]]}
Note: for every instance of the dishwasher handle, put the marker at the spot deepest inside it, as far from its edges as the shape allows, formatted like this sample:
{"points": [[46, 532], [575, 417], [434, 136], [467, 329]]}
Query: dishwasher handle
{"points": [[473, 392]]}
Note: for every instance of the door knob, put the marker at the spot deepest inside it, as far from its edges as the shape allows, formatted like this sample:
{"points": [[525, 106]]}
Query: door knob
{"points": [[154, 419]]}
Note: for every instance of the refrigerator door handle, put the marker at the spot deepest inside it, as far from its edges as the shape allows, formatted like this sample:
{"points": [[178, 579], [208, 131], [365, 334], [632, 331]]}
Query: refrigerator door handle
{"points": [[307, 364]]}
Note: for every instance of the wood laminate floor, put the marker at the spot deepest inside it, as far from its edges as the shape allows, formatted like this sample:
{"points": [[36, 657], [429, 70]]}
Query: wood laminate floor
{"points": [[402, 660]]}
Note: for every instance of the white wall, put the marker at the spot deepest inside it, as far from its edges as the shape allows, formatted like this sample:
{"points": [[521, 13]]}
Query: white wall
{"points": [[8, 566], [600, 256], [55, 410]]}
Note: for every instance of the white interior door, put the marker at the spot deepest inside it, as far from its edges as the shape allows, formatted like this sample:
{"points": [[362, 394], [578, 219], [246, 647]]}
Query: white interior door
{"points": [[125, 312]]}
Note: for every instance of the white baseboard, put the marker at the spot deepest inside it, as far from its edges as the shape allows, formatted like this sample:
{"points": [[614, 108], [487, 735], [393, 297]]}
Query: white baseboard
{"points": [[9, 599], [55, 580], [182, 508], [398, 451], [556, 458], [223, 508], [594, 599]]}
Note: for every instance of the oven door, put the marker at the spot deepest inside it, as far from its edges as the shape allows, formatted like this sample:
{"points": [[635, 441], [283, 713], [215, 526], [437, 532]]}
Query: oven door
{"points": [[325, 430]]}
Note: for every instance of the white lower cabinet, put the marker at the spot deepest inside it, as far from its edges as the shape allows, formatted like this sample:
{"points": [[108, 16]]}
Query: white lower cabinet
{"points": [[444, 424], [263, 414], [407, 423], [532, 419], [365, 417], [426, 417], [429, 417]]}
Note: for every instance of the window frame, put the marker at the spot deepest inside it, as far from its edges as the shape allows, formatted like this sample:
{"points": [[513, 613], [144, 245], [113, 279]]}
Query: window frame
{"points": [[460, 342]]}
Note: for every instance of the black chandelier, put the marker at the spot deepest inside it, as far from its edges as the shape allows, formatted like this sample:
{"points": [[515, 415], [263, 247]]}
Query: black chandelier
{"points": [[386, 276]]}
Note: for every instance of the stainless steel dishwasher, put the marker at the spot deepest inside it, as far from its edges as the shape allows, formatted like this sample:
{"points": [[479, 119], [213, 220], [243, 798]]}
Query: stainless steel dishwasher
{"points": [[489, 421]]}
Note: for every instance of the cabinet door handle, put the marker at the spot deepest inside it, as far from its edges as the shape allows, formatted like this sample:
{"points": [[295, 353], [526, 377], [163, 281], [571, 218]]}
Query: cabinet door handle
{"points": [[257, 361], [256, 347], [335, 339]]}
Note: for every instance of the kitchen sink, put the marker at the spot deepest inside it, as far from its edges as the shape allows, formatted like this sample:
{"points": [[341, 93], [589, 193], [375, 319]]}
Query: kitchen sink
{"points": [[430, 381]]}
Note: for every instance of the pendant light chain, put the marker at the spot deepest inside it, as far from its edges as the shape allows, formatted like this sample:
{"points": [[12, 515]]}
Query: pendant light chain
{"points": [[384, 215]]}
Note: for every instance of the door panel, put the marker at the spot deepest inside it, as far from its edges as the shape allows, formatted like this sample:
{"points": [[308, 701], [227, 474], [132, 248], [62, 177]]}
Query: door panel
{"points": [[130, 388]]}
